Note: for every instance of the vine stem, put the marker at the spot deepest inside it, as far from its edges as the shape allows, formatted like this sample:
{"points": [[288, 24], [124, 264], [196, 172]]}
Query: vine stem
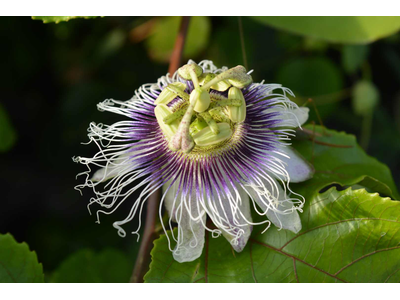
{"points": [[149, 233], [176, 56]]}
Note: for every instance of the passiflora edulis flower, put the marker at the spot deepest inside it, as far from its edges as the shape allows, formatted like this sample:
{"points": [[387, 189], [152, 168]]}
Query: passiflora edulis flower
{"points": [[218, 146]]}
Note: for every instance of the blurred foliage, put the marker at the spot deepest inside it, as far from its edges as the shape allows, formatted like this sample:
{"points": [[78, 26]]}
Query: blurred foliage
{"points": [[365, 97], [353, 56], [7, 132], [110, 265], [17, 262], [58, 19], [54, 75], [343, 29], [161, 39]]}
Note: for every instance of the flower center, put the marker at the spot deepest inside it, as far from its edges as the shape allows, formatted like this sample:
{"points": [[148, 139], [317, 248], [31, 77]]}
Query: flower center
{"points": [[205, 120]]}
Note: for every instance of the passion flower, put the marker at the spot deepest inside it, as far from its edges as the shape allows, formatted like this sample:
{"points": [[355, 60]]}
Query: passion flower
{"points": [[218, 146]]}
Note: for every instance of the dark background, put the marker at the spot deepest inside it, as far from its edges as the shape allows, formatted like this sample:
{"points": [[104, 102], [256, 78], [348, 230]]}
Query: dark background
{"points": [[53, 75]]}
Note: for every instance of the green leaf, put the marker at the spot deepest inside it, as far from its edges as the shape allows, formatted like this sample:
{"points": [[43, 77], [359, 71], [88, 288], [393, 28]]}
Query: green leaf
{"points": [[8, 135], [343, 29], [353, 56], [17, 262], [160, 43], [310, 77], [313, 77], [365, 97], [58, 19], [337, 158], [85, 265], [347, 236]]}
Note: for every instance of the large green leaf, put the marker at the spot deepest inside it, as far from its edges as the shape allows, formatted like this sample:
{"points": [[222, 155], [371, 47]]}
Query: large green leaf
{"points": [[17, 262], [58, 19], [347, 236], [162, 39], [344, 29], [85, 265], [337, 158]]}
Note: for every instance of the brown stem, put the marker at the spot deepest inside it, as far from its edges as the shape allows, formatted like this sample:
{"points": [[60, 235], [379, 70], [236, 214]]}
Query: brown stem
{"points": [[149, 234], [176, 56]]}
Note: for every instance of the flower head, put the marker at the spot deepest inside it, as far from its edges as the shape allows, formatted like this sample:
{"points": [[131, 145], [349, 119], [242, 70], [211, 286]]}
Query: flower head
{"points": [[218, 146]]}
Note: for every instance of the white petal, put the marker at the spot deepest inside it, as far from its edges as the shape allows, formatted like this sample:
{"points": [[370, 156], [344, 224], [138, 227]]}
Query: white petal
{"points": [[291, 117], [277, 205], [301, 114], [290, 221], [171, 200], [191, 219], [298, 168], [232, 216], [118, 166]]}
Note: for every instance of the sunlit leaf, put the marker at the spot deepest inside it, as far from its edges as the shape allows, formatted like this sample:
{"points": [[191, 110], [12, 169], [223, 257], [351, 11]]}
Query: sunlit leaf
{"points": [[17, 262], [343, 29], [162, 39], [347, 236], [58, 19], [87, 266]]}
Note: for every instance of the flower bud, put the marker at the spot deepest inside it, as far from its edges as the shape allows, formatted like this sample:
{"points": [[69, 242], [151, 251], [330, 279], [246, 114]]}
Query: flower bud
{"points": [[185, 70], [237, 114], [167, 95], [161, 111], [206, 137]]}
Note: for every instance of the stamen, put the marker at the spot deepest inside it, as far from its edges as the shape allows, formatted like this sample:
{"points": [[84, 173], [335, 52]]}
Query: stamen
{"points": [[236, 76], [218, 115], [197, 125], [206, 137], [175, 115], [226, 102], [237, 113], [162, 111], [210, 122], [178, 91], [220, 86], [170, 92]]}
